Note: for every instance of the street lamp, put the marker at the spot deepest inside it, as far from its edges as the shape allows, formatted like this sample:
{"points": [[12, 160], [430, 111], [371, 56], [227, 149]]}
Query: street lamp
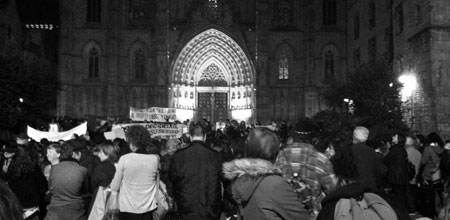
{"points": [[409, 83]]}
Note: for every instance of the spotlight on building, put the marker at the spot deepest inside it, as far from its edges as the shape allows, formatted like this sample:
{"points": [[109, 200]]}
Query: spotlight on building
{"points": [[409, 83]]}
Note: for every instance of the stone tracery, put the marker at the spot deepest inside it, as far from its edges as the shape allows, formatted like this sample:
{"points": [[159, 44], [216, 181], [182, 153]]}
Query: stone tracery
{"points": [[213, 59]]}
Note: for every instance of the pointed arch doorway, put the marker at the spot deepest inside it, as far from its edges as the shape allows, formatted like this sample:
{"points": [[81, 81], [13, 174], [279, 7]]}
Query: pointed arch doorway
{"points": [[212, 78]]}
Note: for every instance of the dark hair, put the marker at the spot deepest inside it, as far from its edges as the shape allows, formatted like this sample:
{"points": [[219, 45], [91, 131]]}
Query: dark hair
{"points": [[138, 136], [422, 139], [343, 162], [110, 149], [401, 139], [123, 145], [55, 146], [197, 131], [21, 165], [433, 137], [9, 204], [68, 148], [262, 143]]}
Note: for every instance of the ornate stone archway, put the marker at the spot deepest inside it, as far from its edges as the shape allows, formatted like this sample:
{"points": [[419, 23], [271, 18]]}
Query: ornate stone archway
{"points": [[213, 78]]}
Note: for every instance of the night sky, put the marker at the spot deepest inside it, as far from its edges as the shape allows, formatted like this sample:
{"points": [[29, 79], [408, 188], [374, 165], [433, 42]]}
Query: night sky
{"points": [[38, 11]]}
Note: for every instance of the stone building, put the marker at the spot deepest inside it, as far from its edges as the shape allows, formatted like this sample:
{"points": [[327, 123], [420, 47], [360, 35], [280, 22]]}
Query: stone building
{"points": [[215, 59], [369, 32], [247, 60], [10, 30], [422, 49]]}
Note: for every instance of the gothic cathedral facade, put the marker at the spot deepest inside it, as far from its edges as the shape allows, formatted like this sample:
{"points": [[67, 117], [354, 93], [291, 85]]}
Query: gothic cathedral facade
{"points": [[253, 60]]}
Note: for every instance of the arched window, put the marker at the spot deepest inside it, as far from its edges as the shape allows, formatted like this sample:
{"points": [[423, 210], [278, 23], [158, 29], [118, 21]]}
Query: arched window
{"points": [[139, 65], [93, 63], [94, 10], [329, 15], [283, 68], [329, 66], [372, 15]]}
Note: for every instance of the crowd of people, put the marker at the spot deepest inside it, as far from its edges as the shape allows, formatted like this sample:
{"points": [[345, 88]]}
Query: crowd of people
{"points": [[235, 172]]}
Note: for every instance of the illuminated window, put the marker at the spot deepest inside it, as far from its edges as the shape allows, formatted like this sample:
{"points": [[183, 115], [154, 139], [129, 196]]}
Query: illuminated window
{"points": [[283, 68], [94, 10], [139, 65], [93, 63]]}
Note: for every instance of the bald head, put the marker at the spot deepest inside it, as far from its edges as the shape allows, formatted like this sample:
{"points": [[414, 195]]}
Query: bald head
{"points": [[360, 134]]}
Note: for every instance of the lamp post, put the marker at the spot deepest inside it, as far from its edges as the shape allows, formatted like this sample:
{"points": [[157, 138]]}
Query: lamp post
{"points": [[409, 83]]}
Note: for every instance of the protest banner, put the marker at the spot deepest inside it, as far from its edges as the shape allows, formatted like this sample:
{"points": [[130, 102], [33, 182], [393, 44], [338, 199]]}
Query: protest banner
{"points": [[155, 114], [56, 136], [164, 130]]}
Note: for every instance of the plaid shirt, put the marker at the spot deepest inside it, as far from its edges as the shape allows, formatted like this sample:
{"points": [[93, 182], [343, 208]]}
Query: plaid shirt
{"points": [[312, 167]]}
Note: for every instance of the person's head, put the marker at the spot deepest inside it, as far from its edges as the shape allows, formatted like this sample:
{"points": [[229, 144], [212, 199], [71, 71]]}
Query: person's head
{"points": [[138, 137], [360, 134], [70, 149], [108, 151], [435, 139], [171, 146], [300, 136], [197, 133], [422, 140], [398, 139], [53, 153], [9, 204], [22, 139], [262, 143], [10, 150], [410, 141]]}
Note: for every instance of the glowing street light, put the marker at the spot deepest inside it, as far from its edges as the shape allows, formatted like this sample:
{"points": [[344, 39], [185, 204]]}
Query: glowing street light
{"points": [[409, 83]]}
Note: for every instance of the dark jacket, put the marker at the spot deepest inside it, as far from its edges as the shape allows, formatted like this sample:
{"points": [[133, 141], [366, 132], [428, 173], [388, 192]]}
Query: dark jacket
{"points": [[396, 162], [431, 159], [195, 174], [354, 190], [29, 188], [102, 175], [262, 193], [445, 164], [371, 169]]}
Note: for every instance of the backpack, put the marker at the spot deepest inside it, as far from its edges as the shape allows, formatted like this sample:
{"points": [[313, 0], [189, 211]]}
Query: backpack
{"points": [[410, 170], [369, 206]]}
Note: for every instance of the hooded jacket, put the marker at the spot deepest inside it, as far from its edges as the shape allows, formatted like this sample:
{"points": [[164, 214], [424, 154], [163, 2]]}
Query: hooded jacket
{"points": [[262, 192], [431, 160]]}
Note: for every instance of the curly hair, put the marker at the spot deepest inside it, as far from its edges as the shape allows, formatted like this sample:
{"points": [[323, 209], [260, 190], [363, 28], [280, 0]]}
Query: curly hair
{"points": [[138, 136], [20, 166]]}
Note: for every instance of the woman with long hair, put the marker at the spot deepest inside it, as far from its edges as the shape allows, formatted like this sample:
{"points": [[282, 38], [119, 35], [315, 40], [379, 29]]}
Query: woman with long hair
{"points": [[135, 177]]}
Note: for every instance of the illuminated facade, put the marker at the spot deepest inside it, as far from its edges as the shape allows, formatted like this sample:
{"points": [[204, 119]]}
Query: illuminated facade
{"points": [[253, 60]]}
